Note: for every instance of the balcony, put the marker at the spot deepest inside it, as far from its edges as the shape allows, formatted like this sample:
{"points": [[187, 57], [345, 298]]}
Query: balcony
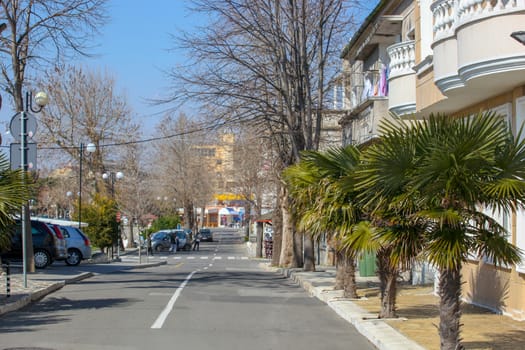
{"points": [[402, 78], [474, 55], [365, 86]]}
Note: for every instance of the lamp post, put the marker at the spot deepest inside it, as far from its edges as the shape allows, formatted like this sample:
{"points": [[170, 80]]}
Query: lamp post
{"points": [[112, 177], [19, 128], [69, 194], [90, 148]]}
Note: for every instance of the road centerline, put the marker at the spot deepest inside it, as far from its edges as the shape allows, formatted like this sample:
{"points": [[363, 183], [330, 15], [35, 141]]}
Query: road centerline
{"points": [[164, 314]]}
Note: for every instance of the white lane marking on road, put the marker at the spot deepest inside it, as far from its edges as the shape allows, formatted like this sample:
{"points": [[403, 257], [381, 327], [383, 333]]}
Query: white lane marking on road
{"points": [[244, 258], [204, 258], [164, 314], [217, 257], [191, 257], [231, 258], [177, 257]]}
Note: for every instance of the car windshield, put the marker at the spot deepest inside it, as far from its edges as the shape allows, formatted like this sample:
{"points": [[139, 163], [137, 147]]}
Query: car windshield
{"points": [[158, 235], [181, 234]]}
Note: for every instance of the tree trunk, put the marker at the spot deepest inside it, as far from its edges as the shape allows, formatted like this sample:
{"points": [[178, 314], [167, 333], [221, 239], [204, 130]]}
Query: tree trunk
{"points": [[349, 287], [387, 274], [339, 270], [298, 246], [286, 258], [388, 297], [309, 254], [450, 309], [259, 239], [277, 225]]}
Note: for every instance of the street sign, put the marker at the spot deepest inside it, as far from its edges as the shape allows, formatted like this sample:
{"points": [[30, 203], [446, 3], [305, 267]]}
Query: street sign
{"points": [[16, 156], [15, 127]]}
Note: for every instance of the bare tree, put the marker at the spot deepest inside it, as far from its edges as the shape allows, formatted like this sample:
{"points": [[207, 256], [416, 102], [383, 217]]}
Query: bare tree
{"points": [[269, 62], [134, 196], [180, 173], [85, 109], [254, 158], [39, 30]]}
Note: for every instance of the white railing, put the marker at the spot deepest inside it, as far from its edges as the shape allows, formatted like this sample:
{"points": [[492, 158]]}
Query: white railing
{"points": [[449, 14], [444, 18], [474, 9], [402, 58]]}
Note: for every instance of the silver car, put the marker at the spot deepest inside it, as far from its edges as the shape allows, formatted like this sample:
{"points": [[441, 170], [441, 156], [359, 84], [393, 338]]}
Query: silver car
{"points": [[60, 242], [78, 245]]}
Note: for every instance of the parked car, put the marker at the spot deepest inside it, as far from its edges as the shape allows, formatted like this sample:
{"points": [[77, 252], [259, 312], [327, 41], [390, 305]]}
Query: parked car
{"points": [[161, 240], [78, 245], [184, 238], [206, 235], [61, 244], [44, 243]]}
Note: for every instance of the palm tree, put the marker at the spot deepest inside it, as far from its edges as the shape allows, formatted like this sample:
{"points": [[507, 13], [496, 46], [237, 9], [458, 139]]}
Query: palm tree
{"points": [[14, 192], [454, 167], [396, 238], [323, 206]]}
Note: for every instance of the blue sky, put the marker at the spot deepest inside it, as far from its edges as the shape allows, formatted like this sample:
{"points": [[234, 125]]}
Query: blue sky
{"points": [[135, 47]]}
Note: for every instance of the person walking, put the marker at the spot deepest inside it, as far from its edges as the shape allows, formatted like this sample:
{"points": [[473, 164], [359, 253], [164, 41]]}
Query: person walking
{"points": [[174, 243], [197, 241]]}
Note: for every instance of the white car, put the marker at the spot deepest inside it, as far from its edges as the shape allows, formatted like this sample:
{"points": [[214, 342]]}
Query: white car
{"points": [[78, 245]]}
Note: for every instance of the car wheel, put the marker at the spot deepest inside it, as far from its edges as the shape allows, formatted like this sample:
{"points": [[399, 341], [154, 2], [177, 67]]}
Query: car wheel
{"points": [[73, 257], [158, 248], [42, 259]]}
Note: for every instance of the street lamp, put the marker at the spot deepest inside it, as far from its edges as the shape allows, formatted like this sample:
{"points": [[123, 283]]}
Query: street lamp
{"points": [[113, 176], [89, 148], [69, 194], [20, 123]]}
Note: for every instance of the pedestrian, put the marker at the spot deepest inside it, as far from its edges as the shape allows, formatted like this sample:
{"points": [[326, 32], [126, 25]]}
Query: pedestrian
{"points": [[150, 250], [174, 242], [197, 241]]}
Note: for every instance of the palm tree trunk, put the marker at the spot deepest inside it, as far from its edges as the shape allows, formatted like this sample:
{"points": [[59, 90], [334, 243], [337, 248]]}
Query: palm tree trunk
{"points": [[309, 253], [388, 297], [349, 287], [339, 270], [450, 309], [388, 283]]}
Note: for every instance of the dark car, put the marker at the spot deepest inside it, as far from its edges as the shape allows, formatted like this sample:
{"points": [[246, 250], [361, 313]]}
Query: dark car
{"points": [[44, 243], [206, 235]]}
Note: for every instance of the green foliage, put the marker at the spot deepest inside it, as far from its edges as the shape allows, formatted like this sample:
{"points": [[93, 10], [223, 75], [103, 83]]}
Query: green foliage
{"points": [[164, 222], [101, 215], [13, 194]]}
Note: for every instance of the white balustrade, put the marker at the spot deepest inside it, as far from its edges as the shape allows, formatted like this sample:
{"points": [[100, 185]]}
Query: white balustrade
{"points": [[402, 58], [449, 14], [444, 14]]}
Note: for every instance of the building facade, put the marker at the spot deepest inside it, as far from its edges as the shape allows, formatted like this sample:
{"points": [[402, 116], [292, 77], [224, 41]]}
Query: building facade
{"points": [[458, 57], [468, 61]]}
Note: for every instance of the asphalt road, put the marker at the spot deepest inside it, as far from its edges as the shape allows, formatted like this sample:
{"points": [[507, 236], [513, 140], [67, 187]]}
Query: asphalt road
{"points": [[215, 298]]}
